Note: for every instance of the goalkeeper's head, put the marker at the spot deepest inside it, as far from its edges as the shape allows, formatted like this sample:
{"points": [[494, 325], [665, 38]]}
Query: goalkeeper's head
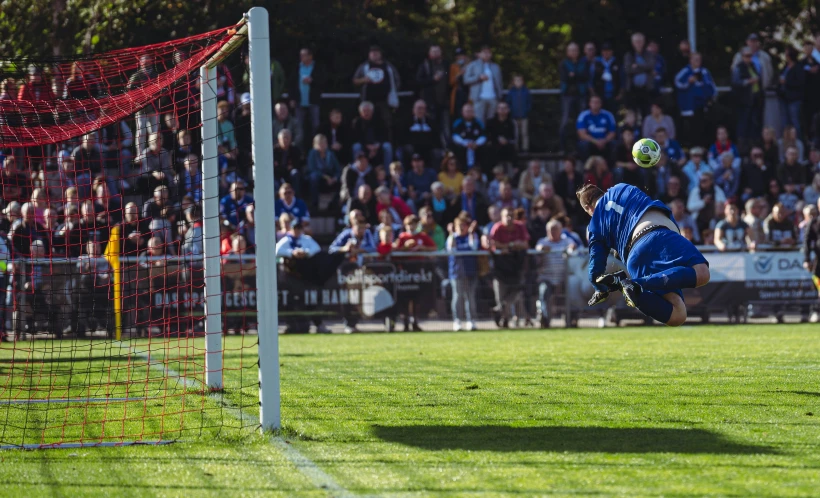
{"points": [[588, 196]]}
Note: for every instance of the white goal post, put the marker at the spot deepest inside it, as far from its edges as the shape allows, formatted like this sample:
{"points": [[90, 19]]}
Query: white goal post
{"points": [[255, 25]]}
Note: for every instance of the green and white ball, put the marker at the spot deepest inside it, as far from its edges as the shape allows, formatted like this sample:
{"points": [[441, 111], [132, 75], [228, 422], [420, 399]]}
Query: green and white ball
{"points": [[646, 152]]}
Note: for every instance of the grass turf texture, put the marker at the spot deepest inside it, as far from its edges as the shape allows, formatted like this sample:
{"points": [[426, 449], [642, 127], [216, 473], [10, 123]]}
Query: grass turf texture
{"points": [[720, 411]]}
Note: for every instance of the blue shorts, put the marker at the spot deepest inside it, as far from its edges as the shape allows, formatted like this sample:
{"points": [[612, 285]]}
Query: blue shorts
{"points": [[661, 250]]}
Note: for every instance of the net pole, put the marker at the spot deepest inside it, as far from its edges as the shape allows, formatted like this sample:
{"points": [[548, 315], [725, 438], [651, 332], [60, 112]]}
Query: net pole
{"points": [[267, 294], [210, 231]]}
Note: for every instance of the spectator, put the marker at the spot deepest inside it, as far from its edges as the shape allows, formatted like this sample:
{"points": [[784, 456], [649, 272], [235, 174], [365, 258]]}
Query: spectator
{"points": [[15, 185], [590, 54], [494, 187], [156, 166], [657, 120], [470, 201], [232, 206], [685, 221], [432, 78], [531, 180], [659, 72], [706, 200], [670, 147], [596, 130], [732, 233], [305, 90], [696, 89], [682, 55], [355, 175], [386, 220], [809, 215], [551, 268], [568, 182], [639, 66], [755, 211], [287, 161], [469, 138], [747, 90], [771, 147], [396, 183], [288, 203], [439, 203], [537, 223], [812, 193], [88, 157], [574, 84], [369, 136], [364, 205], [811, 247], [338, 136], [380, 82], [695, 167], [722, 145], [598, 174], [247, 227], [450, 176], [463, 272], [483, 77], [506, 196], [190, 180], [413, 240], [147, 117], [811, 68], [510, 239], [790, 198], [386, 238], [226, 138], [421, 135], [779, 229], [630, 122], [354, 241], [459, 92], [242, 131], [66, 239], [502, 135], [726, 177], [152, 208], [282, 120], [323, 169], [431, 227], [23, 233], [814, 160], [606, 78], [11, 214], [397, 207], [773, 192], [192, 244], [755, 175], [493, 217], [520, 102], [763, 66], [133, 240], [418, 180], [791, 172], [790, 139], [791, 90]]}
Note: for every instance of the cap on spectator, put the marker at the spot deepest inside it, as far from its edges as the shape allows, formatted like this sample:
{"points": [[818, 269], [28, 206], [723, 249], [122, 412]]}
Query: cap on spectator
{"points": [[696, 151], [360, 154], [417, 157], [459, 51], [296, 223], [606, 46], [12, 206], [753, 36], [245, 98]]}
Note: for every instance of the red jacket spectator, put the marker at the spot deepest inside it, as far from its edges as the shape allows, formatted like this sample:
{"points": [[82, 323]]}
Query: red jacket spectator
{"points": [[598, 174], [398, 208]]}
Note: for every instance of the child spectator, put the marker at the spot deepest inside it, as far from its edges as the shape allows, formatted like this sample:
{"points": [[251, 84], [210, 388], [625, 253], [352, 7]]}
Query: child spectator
{"points": [[385, 240], [809, 214], [431, 228], [493, 191], [463, 271], [520, 102]]}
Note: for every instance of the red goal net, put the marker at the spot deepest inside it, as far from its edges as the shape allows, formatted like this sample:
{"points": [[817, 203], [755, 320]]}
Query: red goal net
{"points": [[101, 246]]}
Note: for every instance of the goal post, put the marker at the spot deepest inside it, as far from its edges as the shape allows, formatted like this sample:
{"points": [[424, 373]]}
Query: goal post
{"points": [[137, 247]]}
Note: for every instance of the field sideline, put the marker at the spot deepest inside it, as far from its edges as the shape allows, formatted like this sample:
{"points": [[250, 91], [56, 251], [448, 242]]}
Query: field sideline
{"points": [[697, 411]]}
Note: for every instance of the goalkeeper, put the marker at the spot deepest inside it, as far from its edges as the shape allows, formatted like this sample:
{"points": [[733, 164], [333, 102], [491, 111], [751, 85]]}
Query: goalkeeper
{"points": [[646, 237]]}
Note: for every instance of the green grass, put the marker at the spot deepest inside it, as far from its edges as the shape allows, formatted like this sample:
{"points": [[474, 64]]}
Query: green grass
{"points": [[699, 411]]}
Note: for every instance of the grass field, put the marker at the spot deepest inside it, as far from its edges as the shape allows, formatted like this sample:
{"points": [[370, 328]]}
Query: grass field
{"points": [[698, 411]]}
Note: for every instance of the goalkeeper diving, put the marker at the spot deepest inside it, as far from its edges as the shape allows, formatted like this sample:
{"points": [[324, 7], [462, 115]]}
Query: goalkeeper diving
{"points": [[645, 236]]}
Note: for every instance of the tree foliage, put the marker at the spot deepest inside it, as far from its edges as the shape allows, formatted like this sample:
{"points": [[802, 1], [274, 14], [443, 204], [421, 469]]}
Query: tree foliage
{"points": [[527, 37]]}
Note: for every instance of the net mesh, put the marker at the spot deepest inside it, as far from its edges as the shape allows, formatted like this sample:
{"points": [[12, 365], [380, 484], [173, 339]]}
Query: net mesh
{"points": [[102, 258]]}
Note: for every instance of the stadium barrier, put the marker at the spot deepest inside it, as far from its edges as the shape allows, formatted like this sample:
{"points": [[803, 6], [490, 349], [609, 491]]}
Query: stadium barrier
{"points": [[168, 298]]}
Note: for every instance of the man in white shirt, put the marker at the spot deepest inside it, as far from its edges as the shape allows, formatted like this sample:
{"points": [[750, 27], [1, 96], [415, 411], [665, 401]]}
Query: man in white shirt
{"points": [[552, 270], [484, 79], [296, 244]]}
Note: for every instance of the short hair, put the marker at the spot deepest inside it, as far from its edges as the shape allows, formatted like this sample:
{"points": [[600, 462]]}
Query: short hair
{"points": [[588, 195], [660, 129], [386, 229], [436, 186], [195, 212], [365, 104], [411, 219], [382, 190], [424, 210], [285, 131], [552, 223]]}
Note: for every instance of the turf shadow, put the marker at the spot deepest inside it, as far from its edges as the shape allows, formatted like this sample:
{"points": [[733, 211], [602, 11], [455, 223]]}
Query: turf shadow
{"points": [[804, 393], [565, 439]]}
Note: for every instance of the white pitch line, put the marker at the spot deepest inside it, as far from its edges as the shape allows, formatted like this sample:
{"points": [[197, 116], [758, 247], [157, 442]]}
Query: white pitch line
{"points": [[305, 465]]}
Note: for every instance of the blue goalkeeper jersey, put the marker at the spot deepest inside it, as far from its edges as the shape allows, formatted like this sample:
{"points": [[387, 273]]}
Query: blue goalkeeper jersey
{"points": [[613, 221]]}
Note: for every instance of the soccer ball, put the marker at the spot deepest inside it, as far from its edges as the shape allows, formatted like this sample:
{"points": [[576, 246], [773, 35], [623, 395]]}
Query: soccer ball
{"points": [[646, 152]]}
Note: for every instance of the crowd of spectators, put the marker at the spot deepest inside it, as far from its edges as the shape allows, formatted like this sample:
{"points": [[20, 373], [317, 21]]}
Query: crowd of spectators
{"points": [[447, 175]]}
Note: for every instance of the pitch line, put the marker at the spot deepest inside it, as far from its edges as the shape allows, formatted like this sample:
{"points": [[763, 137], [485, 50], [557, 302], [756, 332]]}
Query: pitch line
{"points": [[305, 465]]}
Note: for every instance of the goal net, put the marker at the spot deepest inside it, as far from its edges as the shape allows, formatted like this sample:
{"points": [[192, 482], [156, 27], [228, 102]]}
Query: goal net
{"points": [[116, 213]]}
